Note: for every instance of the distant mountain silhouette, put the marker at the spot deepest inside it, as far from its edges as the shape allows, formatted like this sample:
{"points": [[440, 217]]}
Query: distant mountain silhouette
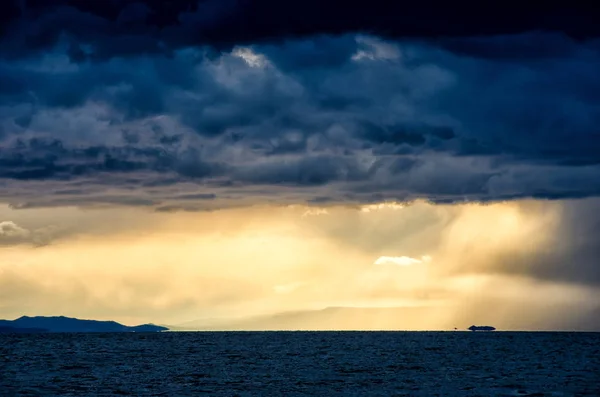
{"points": [[530, 317], [328, 319], [66, 324]]}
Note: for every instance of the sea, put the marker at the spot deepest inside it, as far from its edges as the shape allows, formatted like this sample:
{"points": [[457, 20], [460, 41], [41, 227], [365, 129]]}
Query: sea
{"points": [[301, 364]]}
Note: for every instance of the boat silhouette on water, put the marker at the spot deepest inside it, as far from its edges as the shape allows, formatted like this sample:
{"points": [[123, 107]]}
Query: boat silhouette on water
{"points": [[481, 328]]}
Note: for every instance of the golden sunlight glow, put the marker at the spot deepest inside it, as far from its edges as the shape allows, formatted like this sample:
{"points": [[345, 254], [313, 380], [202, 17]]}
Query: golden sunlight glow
{"points": [[248, 263]]}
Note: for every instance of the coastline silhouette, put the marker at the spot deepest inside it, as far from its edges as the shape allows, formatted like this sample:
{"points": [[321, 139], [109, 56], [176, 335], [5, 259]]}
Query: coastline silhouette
{"points": [[41, 324]]}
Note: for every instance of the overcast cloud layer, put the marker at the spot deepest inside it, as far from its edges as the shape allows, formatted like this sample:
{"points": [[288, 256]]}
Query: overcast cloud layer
{"points": [[110, 106]]}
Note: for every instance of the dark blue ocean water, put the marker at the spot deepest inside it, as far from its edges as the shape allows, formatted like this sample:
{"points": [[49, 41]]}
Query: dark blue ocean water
{"points": [[301, 363]]}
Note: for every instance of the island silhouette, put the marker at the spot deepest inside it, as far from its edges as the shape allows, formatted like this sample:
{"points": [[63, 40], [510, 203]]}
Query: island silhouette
{"points": [[40, 324]]}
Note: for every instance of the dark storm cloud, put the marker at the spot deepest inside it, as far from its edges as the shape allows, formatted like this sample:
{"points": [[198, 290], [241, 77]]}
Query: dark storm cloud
{"points": [[526, 46], [131, 96], [389, 142], [40, 159], [100, 30]]}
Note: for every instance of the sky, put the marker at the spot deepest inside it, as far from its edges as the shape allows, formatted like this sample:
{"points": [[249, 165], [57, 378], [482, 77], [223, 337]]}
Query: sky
{"points": [[300, 165]]}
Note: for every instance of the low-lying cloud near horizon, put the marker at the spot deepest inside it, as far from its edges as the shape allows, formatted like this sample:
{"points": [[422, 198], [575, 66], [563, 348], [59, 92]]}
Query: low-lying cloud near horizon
{"points": [[210, 159]]}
